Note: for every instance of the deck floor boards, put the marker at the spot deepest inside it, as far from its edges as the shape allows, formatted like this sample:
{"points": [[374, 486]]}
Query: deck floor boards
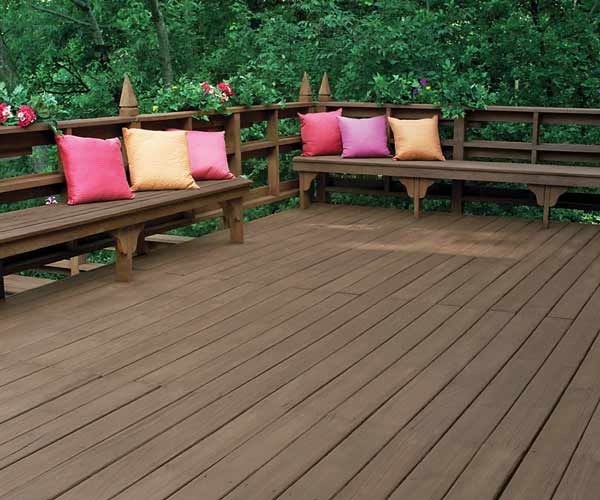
{"points": [[341, 353]]}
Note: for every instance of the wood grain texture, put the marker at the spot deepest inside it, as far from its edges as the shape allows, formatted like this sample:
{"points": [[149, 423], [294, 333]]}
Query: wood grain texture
{"points": [[341, 353]]}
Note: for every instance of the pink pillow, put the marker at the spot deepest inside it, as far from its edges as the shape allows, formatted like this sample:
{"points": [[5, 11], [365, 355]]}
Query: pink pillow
{"points": [[364, 138], [208, 155], [94, 169], [320, 133]]}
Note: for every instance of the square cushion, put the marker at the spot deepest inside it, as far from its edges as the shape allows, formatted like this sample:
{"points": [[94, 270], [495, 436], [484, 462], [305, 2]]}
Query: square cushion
{"points": [[93, 169], [158, 160], [320, 133], [364, 137], [208, 155], [417, 139]]}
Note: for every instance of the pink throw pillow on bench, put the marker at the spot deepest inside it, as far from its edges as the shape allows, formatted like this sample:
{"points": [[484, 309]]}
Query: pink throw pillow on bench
{"points": [[94, 169], [320, 133], [364, 137], [208, 155]]}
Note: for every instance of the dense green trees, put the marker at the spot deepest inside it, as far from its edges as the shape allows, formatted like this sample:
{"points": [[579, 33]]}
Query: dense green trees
{"points": [[471, 52]]}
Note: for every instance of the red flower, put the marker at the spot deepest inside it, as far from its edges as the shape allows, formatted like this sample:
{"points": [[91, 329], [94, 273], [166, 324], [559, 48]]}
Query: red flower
{"points": [[25, 115], [5, 112], [225, 88], [208, 88]]}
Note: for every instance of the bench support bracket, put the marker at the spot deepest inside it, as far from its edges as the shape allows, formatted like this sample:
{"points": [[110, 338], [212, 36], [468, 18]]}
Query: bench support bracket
{"points": [[126, 242], [233, 210], [546, 197], [305, 181], [416, 189]]}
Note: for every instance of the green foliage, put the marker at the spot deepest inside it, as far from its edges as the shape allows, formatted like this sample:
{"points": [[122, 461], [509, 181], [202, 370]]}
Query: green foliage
{"points": [[184, 94], [44, 104], [474, 53]]}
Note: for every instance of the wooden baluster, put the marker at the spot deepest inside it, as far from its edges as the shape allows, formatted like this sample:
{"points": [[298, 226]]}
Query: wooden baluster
{"points": [[233, 139], [535, 137], [273, 156], [458, 153]]}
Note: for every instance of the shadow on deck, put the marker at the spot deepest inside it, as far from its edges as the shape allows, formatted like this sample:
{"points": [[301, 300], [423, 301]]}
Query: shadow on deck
{"points": [[341, 353]]}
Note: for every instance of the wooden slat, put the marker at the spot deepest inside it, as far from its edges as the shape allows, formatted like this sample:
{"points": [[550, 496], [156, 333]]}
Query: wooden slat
{"points": [[344, 352]]}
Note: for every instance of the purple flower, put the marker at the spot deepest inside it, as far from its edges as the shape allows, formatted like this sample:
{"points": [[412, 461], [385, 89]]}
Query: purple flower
{"points": [[423, 82], [415, 91], [51, 200]]}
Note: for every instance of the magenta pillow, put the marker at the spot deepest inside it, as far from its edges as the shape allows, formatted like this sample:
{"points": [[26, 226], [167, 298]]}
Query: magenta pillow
{"points": [[320, 133], [208, 155], [93, 168], [364, 137]]}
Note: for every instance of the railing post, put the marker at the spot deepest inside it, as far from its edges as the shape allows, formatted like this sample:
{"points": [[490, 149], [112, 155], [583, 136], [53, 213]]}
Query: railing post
{"points": [[324, 92], [458, 153], [324, 96], [273, 157], [305, 94], [233, 139], [128, 105]]}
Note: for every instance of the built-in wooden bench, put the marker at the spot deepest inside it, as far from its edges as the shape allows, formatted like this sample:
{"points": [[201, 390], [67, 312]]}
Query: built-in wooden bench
{"points": [[61, 229], [547, 182]]}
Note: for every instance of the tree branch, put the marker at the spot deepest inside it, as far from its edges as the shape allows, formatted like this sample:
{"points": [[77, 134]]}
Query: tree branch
{"points": [[60, 14]]}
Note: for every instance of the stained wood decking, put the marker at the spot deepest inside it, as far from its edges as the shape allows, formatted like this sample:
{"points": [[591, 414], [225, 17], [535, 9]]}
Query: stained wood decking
{"points": [[341, 353]]}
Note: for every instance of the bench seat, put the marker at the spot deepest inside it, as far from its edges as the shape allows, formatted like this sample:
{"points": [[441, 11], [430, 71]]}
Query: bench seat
{"points": [[547, 182], [25, 231]]}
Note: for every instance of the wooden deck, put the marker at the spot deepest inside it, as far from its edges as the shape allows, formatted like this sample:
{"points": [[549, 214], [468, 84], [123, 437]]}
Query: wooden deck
{"points": [[341, 353]]}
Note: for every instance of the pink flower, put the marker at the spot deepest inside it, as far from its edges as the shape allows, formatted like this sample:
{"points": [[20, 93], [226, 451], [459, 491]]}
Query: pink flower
{"points": [[225, 89], [26, 116], [5, 112]]}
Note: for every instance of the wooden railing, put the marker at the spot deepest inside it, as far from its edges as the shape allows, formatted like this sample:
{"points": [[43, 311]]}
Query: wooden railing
{"points": [[457, 142]]}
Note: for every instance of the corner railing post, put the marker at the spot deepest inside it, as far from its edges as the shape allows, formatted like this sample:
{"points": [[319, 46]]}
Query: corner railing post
{"points": [[128, 105], [324, 96], [305, 94]]}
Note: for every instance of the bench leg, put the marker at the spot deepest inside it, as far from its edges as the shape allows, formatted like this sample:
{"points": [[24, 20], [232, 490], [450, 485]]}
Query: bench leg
{"points": [[546, 197], [141, 247], [321, 185], [2, 288], [457, 197], [126, 241], [305, 183], [234, 215]]}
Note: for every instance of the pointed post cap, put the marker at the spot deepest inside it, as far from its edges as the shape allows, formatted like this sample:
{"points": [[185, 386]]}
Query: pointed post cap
{"points": [[128, 105], [305, 90], [325, 90]]}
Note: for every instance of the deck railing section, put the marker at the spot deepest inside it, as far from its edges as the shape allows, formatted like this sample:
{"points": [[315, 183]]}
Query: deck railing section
{"points": [[457, 142]]}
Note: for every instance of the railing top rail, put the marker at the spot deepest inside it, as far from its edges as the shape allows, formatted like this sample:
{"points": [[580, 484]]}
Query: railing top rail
{"points": [[512, 109]]}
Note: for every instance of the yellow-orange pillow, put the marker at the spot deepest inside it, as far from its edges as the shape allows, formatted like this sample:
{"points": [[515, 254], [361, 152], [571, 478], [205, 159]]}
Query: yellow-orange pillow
{"points": [[417, 139], [158, 160]]}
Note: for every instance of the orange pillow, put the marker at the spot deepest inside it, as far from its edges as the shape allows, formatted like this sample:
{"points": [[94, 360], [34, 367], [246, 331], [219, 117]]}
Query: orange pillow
{"points": [[417, 139], [158, 160]]}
